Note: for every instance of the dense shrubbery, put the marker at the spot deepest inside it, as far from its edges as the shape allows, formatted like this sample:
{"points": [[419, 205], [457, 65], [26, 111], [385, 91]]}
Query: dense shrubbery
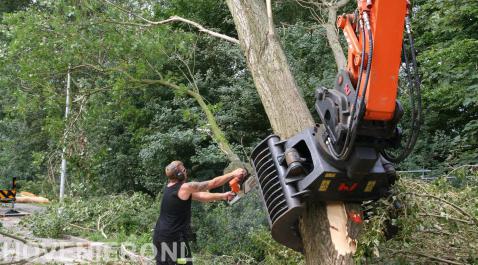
{"points": [[103, 218], [224, 234], [437, 220]]}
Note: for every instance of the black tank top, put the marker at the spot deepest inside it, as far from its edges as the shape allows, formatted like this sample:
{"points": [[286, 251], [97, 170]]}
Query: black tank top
{"points": [[174, 221]]}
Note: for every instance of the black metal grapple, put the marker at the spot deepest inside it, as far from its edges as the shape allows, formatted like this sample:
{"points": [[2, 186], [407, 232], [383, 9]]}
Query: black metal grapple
{"points": [[292, 171]]}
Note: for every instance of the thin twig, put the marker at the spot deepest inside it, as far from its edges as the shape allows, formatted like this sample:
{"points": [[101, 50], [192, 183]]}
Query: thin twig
{"points": [[98, 226], [81, 227]]}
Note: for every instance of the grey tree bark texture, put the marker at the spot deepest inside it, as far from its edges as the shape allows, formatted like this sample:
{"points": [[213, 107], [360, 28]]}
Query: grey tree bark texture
{"points": [[333, 36], [324, 228]]}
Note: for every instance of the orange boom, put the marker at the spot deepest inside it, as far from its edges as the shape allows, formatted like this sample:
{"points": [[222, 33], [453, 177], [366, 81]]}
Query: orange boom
{"points": [[387, 19]]}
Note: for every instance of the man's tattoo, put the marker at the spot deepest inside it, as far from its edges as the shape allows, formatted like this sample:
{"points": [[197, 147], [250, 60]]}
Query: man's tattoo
{"points": [[199, 186]]}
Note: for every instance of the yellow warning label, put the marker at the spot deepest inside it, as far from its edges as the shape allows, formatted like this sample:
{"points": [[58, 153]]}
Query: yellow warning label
{"points": [[370, 186], [324, 185], [330, 174]]}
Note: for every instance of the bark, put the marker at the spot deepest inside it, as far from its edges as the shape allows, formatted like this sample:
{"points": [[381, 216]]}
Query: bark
{"points": [[323, 227], [286, 110], [333, 38]]}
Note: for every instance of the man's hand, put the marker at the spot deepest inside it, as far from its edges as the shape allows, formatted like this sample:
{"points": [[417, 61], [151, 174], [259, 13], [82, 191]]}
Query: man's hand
{"points": [[227, 196], [239, 173]]}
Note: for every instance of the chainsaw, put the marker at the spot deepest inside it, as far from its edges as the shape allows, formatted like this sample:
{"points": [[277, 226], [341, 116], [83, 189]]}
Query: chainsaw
{"points": [[241, 187]]}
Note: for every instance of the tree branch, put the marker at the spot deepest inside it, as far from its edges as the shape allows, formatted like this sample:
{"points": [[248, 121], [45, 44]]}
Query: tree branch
{"points": [[435, 258], [198, 26], [333, 38], [317, 9], [446, 217], [341, 3], [269, 17], [170, 20], [135, 257], [46, 248], [456, 207], [217, 134]]}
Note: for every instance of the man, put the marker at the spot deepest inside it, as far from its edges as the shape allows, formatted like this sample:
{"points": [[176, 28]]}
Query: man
{"points": [[173, 227]]}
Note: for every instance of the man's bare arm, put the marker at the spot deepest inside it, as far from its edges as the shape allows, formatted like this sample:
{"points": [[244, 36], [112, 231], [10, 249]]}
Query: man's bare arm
{"points": [[219, 181], [194, 186], [210, 197], [191, 187]]}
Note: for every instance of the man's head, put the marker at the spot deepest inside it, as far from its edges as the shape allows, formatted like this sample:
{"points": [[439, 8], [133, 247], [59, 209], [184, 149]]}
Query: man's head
{"points": [[176, 171]]}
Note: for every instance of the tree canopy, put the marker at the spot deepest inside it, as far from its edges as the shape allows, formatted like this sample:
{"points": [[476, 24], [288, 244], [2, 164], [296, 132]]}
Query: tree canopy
{"points": [[133, 86]]}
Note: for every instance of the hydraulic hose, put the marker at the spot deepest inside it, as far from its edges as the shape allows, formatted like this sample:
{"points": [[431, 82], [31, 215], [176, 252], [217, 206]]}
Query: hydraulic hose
{"points": [[353, 125], [414, 88]]}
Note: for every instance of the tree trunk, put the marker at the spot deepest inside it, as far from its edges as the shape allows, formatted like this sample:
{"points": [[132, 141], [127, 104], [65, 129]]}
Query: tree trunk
{"points": [[333, 38], [286, 110], [323, 227]]}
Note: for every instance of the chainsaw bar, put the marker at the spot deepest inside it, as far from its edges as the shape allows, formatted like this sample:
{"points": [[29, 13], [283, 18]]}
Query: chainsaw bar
{"points": [[246, 187]]}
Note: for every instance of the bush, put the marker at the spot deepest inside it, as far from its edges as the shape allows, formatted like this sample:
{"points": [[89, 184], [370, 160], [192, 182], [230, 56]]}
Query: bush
{"points": [[114, 216], [237, 234]]}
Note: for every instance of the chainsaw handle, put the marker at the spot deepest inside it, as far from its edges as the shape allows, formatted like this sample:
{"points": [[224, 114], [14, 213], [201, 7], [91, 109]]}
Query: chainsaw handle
{"points": [[235, 183], [235, 186]]}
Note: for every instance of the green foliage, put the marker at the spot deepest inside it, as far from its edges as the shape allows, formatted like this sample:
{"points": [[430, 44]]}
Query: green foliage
{"points": [[223, 229], [447, 42], [435, 220], [121, 133], [224, 234], [274, 252], [116, 216]]}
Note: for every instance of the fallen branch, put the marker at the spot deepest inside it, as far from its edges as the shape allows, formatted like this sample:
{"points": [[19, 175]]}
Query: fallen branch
{"points": [[446, 217], [462, 166], [46, 249], [24, 241], [135, 257], [456, 207], [101, 229], [435, 258]]}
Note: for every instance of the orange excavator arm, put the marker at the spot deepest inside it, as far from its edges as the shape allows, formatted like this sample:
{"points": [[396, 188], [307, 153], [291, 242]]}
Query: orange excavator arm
{"points": [[386, 21]]}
